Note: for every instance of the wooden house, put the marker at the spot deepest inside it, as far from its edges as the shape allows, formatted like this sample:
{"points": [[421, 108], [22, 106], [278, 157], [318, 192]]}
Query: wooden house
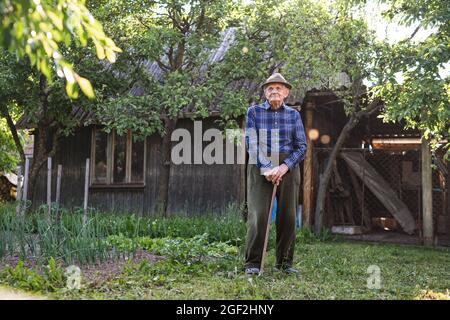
{"points": [[129, 185], [125, 173]]}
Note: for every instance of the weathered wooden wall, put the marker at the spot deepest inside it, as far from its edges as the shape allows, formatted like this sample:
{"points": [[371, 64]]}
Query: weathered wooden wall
{"points": [[199, 188], [195, 189], [72, 155]]}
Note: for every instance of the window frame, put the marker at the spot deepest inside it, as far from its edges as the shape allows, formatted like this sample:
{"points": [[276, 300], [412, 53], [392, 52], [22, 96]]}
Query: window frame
{"points": [[111, 138]]}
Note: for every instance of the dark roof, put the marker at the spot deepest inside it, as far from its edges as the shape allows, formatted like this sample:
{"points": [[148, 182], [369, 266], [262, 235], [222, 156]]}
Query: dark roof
{"points": [[78, 114]]}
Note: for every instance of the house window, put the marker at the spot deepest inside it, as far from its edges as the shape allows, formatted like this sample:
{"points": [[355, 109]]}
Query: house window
{"points": [[117, 159]]}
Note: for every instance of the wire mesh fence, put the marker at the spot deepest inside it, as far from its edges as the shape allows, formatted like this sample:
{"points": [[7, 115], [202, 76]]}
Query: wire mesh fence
{"points": [[353, 200]]}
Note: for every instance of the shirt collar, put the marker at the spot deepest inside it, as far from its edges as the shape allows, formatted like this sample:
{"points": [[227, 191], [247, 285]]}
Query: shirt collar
{"points": [[266, 105]]}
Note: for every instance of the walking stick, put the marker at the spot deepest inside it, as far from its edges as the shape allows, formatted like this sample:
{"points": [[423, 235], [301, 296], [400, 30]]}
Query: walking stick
{"points": [[266, 239]]}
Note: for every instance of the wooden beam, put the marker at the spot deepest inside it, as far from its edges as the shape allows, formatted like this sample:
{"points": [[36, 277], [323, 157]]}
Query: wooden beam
{"points": [[25, 182], [86, 192], [93, 147], [19, 189], [308, 169], [110, 157], [427, 196], [58, 190], [381, 189], [128, 157]]}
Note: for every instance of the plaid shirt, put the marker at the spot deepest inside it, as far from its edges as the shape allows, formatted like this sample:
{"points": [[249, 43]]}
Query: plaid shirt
{"points": [[271, 131]]}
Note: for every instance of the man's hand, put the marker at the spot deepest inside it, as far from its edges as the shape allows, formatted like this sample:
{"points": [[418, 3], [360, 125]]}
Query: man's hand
{"points": [[276, 174]]}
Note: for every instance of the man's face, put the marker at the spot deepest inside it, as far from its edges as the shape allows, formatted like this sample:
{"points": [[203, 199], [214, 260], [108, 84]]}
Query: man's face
{"points": [[276, 93]]}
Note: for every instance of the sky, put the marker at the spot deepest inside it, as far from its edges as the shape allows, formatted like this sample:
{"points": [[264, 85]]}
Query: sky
{"points": [[391, 30]]}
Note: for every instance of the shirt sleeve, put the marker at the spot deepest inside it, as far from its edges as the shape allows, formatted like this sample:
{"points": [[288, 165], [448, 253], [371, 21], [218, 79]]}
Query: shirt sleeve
{"points": [[299, 144], [252, 145]]}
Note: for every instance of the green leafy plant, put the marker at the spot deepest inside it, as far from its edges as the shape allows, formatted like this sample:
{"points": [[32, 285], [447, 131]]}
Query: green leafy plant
{"points": [[39, 28], [50, 280], [179, 250]]}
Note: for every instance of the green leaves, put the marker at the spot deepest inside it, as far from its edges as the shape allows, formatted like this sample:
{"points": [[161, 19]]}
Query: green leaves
{"points": [[85, 86], [39, 28], [178, 250], [9, 158], [411, 77]]}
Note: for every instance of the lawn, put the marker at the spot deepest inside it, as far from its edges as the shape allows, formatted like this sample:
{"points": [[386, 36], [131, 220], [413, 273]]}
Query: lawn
{"points": [[329, 270], [202, 258]]}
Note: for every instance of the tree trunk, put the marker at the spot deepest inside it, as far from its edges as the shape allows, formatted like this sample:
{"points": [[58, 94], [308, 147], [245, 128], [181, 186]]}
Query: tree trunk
{"points": [[14, 133], [41, 146], [163, 192], [325, 177], [37, 163]]}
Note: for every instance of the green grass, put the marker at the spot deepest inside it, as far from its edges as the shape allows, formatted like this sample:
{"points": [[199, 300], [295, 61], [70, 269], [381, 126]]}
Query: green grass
{"points": [[331, 270], [204, 260]]}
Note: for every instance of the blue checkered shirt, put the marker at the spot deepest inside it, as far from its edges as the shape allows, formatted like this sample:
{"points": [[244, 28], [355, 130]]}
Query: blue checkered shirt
{"points": [[269, 131]]}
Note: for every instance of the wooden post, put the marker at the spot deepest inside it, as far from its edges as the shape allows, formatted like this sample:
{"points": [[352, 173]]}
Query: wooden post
{"points": [[49, 185], [427, 195], [58, 190], [25, 182], [308, 169], [86, 191], [19, 189]]}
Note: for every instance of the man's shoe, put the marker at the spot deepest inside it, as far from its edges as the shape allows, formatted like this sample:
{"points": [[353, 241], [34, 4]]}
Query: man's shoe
{"points": [[291, 270], [251, 271], [288, 270]]}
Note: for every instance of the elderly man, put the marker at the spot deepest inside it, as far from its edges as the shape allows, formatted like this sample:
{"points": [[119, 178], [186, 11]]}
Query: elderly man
{"points": [[274, 135]]}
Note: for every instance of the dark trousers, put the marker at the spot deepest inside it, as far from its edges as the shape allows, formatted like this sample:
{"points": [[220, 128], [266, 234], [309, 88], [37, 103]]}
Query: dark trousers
{"points": [[259, 194]]}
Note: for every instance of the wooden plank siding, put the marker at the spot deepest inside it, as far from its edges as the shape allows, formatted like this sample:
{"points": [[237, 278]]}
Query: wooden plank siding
{"points": [[198, 189], [194, 189], [72, 155]]}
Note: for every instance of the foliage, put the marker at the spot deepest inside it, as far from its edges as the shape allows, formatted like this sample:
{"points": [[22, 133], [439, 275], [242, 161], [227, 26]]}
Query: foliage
{"points": [[178, 250], [9, 158], [39, 236], [306, 235], [39, 29], [168, 59], [200, 266], [329, 270], [11, 74], [177, 37], [410, 75], [50, 279]]}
